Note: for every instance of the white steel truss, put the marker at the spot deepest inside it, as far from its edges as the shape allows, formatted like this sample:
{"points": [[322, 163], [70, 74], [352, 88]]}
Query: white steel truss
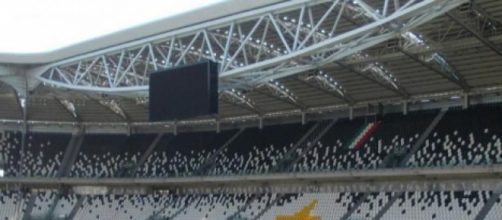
{"points": [[434, 61], [480, 24], [280, 90], [326, 82], [239, 98], [252, 48]]}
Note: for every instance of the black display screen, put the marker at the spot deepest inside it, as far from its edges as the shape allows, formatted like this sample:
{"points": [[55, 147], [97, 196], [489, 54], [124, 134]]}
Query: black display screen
{"points": [[184, 92]]}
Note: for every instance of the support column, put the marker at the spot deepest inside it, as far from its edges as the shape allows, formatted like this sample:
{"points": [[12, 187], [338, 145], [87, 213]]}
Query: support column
{"points": [[465, 101], [387, 206], [209, 164], [54, 203], [266, 208], [405, 107], [416, 146], [29, 206], [312, 136], [187, 204], [242, 208], [356, 206], [420, 141], [488, 206], [76, 207], [147, 153], [71, 152], [155, 215], [69, 157]]}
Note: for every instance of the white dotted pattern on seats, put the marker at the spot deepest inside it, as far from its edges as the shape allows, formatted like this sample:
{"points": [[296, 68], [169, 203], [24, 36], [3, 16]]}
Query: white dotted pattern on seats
{"points": [[370, 207], [12, 205], [255, 161], [65, 205], [330, 205], [43, 203], [161, 164], [212, 207], [8, 143], [454, 149], [495, 212], [437, 205], [122, 207]]}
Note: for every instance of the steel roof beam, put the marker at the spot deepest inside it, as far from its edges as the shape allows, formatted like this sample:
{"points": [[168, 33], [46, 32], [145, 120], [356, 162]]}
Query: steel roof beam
{"points": [[238, 99], [285, 100], [67, 105], [460, 82], [123, 69], [19, 101], [376, 68], [475, 33], [242, 106], [122, 114], [347, 99], [400, 91]]}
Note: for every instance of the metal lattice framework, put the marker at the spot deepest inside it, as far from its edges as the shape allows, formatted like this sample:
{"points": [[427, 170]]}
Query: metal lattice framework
{"points": [[255, 48]]}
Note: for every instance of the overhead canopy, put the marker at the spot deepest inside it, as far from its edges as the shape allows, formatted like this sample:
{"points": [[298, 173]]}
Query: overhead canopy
{"points": [[456, 54]]}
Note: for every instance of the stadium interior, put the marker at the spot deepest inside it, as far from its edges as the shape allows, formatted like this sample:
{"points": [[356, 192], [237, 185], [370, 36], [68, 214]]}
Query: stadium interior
{"points": [[328, 110]]}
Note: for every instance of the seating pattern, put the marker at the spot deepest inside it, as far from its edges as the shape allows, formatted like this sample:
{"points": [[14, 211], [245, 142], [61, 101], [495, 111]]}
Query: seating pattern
{"points": [[256, 205], [463, 137], [9, 152], [258, 150], [396, 134], [459, 205], [109, 155], [44, 153], [121, 206], [495, 212], [183, 154], [329, 206], [12, 204], [213, 206], [174, 204], [371, 205], [43, 203], [64, 206]]}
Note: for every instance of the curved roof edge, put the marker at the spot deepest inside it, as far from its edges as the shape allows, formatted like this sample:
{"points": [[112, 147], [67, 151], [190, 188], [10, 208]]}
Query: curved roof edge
{"points": [[218, 10]]}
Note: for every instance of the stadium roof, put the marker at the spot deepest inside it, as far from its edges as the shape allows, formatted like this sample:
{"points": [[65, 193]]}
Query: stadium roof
{"points": [[343, 54]]}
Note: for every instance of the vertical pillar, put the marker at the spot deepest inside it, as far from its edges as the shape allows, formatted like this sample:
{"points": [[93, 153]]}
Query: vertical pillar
{"points": [[129, 129], [466, 100], [405, 107], [23, 101]]}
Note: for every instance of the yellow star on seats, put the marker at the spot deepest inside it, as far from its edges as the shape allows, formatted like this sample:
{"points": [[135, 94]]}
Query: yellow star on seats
{"points": [[303, 214]]}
